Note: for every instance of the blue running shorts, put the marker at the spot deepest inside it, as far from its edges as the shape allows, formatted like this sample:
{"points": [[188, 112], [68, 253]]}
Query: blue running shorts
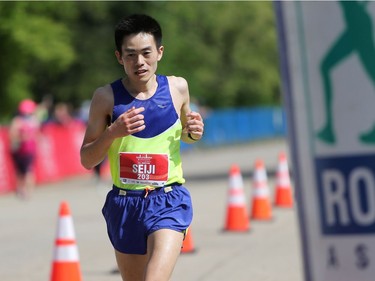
{"points": [[132, 215]]}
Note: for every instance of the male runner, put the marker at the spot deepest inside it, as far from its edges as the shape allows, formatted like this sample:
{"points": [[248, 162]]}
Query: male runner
{"points": [[139, 121]]}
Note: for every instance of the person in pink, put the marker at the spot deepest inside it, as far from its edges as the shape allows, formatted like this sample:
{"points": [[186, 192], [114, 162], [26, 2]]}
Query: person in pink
{"points": [[23, 133]]}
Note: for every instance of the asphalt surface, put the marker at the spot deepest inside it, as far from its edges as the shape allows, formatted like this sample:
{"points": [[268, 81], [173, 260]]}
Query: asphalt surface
{"points": [[270, 251]]}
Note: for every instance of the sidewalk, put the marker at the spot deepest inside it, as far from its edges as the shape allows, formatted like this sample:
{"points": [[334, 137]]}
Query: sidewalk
{"points": [[270, 251]]}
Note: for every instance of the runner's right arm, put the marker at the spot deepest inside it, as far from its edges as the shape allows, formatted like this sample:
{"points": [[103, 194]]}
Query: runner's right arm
{"points": [[100, 133]]}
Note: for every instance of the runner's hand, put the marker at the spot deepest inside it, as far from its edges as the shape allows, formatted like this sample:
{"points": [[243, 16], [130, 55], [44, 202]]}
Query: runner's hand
{"points": [[130, 122], [194, 125]]}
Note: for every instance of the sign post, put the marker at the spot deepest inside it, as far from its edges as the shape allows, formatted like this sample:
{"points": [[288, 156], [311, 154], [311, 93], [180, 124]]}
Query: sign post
{"points": [[327, 52]]}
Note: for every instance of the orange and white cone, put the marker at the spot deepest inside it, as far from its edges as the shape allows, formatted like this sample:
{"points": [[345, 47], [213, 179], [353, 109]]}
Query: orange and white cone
{"points": [[65, 265], [188, 244], [283, 193], [237, 218], [261, 205]]}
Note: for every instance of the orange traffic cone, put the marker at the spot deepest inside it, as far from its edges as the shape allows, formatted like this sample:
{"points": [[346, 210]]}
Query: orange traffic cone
{"points": [[237, 218], [65, 265], [283, 197], [261, 206], [188, 244]]}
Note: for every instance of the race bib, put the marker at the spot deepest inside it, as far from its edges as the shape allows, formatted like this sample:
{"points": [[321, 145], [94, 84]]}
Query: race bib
{"points": [[144, 168]]}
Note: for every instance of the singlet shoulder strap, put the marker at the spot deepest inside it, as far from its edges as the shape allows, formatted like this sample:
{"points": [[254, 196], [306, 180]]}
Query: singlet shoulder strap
{"points": [[120, 95], [162, 79]]}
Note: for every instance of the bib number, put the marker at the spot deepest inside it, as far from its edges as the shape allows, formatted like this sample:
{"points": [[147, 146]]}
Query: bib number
{"points": [[144, 168]]}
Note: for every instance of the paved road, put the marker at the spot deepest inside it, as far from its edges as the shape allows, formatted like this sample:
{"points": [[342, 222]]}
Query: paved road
{"points": [[270, 251]]}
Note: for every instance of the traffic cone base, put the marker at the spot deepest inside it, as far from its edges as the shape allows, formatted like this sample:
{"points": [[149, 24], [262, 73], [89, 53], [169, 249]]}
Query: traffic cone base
{"points": [[261, 209], [284, 198], [65, 271], [241, 221]]}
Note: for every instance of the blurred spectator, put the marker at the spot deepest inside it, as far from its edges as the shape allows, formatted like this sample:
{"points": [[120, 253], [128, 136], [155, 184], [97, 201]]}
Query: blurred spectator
{"points": [[83, 115], [23, 133], [62, 114], [196, 106], [44, 109], [97, 172]]}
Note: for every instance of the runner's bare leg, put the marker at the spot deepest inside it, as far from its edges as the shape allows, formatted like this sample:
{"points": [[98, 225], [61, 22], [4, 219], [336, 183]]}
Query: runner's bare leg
{"points": [[165, 247]]}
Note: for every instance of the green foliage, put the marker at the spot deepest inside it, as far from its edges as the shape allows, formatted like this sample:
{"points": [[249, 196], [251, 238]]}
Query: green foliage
{"points": [[32, 37], [226, 50], [94, 46]]}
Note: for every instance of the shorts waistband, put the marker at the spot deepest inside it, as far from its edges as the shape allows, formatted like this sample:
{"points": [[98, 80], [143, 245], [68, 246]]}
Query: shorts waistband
{"points": [[150, 191]]}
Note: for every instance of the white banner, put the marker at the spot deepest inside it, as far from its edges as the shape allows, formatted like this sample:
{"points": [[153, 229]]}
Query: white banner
{"points": [[327, 52]]}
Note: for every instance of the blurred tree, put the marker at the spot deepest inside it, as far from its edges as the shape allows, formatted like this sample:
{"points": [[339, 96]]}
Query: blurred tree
{"points": [[94, 45], [32, 37], [226, 50]]}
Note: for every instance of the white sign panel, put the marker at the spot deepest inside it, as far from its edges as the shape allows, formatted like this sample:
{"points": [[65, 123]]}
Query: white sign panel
{"points": [[328, 66]]}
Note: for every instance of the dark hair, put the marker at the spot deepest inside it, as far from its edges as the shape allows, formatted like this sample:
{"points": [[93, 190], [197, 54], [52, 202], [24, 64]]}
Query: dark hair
{"points": [[135, 24]]}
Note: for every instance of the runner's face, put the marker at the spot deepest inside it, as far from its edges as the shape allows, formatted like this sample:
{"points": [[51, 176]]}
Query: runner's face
{"points": [[140, 56]]}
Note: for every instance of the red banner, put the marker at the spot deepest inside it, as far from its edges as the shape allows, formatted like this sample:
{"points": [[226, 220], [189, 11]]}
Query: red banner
{"points": [[46, 168], [7, 171]]}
